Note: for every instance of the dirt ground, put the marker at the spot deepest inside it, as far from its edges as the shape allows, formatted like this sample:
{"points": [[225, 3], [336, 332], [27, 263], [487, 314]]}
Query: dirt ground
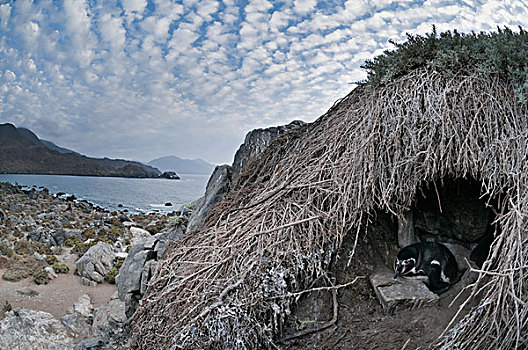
{"points": [[361, 321], [57, 296]]}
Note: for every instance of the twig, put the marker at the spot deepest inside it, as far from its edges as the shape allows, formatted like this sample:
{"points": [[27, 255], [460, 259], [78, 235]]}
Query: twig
{"points": [[317, 289], [322, 326]]}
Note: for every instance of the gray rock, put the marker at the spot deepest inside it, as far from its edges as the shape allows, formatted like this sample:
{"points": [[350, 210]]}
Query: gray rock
{"points": [[406, 233], [139, 266], [223, 176], [84, 306], [138, 234], [51, 272], [58, 237], [96, 262], [401, 293], [110, 322], [218, 185], [129, 278], [88, 282], [455, 214], [76, 324], [23, 329], [257, 141], [128, 223], [91, 344], [29, 221], [2, 217], [146, 274]]}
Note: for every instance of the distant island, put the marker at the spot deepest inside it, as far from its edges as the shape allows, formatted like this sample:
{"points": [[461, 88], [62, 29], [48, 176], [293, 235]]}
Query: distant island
{"points": [[22, 152], [182, 166]]}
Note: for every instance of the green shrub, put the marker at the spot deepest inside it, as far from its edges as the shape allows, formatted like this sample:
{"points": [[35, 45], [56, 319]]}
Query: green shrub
{"points": [[7, 251], [88, 233], [61, 268], [158, 227], [41, 277], [23, 247], [70, 242], [503, 53], [51, 259], [111, 275]]}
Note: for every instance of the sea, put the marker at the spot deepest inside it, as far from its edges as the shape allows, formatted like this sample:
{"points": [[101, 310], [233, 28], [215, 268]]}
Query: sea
{"points": [[113, 193]]}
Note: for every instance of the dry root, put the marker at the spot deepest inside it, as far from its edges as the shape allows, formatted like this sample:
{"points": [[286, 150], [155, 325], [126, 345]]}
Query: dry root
{"points": [[233, 284]]}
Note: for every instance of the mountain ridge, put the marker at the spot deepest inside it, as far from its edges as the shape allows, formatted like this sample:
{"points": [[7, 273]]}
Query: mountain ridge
{"points": [[179, 165], [22, 152]]}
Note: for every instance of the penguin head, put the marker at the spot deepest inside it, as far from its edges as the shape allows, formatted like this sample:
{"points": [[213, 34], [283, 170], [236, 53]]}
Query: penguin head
{"points": [[403, 267], [405, 261]]}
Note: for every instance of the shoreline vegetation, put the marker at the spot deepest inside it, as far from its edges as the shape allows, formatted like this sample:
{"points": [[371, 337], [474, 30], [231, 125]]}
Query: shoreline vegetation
{"points": [[56, 251], [36, 227]]}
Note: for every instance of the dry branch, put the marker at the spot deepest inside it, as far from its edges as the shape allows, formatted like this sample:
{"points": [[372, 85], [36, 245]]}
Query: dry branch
{"points": [[371, 151]]}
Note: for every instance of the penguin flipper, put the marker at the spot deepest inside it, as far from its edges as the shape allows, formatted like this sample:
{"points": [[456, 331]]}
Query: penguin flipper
{"points": [[435, 283]]}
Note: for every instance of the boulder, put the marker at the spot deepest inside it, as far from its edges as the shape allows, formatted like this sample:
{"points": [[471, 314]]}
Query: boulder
{"points": [[29, 221], [110, 322], [84, 306], [79, 320], [96, 262], [218, 185], [23, 329], [51, 272], [139, 266], [223, 176], [257, 141], [138, 234], [2, 217]]}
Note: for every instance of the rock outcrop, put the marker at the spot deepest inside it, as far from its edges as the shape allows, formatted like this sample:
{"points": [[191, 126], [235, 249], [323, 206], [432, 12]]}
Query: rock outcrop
{"points": [[23, 329], [139, 266], [218, 185], [257, 141], [79, 320], [110, 323], [96, 262], [223, 176]]}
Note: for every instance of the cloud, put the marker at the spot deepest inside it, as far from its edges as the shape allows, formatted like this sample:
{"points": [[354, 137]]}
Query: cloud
{"points": [[141, 79]]}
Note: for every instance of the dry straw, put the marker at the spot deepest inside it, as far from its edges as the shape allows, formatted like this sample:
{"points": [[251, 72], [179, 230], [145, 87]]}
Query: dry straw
{"points": [[231, 285]]}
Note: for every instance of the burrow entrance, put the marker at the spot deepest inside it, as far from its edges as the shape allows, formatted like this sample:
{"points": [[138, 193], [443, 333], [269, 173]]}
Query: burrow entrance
{"points": [[452, 212]]}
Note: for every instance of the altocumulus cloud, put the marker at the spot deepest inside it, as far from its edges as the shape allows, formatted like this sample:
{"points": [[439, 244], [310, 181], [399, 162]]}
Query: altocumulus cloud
{"points": [[141, 79]]}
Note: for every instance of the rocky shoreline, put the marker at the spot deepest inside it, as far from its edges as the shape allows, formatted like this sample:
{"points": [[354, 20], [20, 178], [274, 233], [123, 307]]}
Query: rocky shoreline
{"points": [[55, 247], [77, 250]]}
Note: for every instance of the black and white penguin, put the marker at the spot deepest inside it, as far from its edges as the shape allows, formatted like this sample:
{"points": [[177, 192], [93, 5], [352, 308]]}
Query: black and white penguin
{"points": [[433, 260]]}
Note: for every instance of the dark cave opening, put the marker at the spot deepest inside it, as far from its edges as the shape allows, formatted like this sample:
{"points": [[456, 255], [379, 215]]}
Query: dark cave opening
{"points": [[453, 211]]}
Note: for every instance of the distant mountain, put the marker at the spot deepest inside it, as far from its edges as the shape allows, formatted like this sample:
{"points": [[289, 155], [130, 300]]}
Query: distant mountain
{"points": [[182, 166], [52, 146], [22, 152]]}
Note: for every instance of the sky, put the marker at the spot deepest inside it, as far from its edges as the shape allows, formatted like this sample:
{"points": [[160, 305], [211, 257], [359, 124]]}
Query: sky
{"points": [[140, 79]]}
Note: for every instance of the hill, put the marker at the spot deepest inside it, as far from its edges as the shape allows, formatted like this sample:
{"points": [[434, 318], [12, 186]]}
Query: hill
{"points": [[309, 221], [182, 166], [22, 152]]}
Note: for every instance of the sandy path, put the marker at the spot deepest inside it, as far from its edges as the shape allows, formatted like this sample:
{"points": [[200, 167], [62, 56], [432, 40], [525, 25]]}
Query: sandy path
{"points": [[55, 297]]}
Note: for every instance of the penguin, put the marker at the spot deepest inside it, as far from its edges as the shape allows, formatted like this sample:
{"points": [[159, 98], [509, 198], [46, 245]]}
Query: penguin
{"points": [[434, 260]]}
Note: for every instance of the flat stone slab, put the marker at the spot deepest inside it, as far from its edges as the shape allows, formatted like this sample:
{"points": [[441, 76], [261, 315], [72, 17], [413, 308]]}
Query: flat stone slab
{"points": [[401, 293]]}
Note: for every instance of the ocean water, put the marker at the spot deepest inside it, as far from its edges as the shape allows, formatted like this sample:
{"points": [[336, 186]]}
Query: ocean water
{"points": [[136, 195]]}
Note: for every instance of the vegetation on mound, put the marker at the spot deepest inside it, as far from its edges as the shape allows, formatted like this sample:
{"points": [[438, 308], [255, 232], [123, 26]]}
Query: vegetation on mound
{"points": [[51, 259], [41, 277], [60, 268], [503, 53], [111, 275]]}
